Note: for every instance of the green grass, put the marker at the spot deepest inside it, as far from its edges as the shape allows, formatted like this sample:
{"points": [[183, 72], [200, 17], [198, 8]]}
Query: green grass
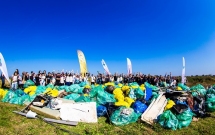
{"points": [[12, 124]]}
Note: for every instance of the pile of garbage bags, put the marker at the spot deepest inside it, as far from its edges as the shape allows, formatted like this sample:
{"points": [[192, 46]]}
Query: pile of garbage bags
{"points": [[124, 104]]}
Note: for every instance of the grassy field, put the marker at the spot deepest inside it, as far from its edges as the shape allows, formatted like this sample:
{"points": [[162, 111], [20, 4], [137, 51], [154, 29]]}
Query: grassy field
{"points": [[14, 124]]}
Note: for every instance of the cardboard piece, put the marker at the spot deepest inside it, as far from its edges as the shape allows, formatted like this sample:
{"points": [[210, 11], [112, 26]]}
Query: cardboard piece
{"points": [[81, 112]]}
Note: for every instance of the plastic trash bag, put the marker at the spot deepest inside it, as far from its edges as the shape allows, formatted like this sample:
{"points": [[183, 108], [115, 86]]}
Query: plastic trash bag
{"points": [[119, 85], [148, 93], [83, 99], [101, 111], [29, 83], [104, 97], [210, 106], [142, 87], [168, 120], [129, 100], [139, 107], [123, 116], [169, 105], [9, 96], [185, 119], [125, 88], [40, 90], [184, 87], [109, 84], [73, 88], [53, 93], [118, 94], [132, 95], [121, 103], [50, 86], [73, 96], [139, 93], [110, 89], [154, 88], [198, 89], [20, 100], [30, 90], [94, 91], [210, 102], [178, 88], [19, 92], [82, 84], [211, 91], [3, 93], [134, 85]]}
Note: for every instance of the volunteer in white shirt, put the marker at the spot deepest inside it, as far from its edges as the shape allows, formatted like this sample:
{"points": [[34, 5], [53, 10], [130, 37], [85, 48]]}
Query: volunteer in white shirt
{"points": [[42, 80], [93, 80], [68, 79], [14, 81], [62, 80], [71, 79]]}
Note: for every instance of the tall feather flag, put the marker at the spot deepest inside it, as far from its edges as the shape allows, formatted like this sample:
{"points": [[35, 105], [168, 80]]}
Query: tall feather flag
{"points": [[129, 66], [3, 67], [183, 71], [105, 67], [82, 62]]}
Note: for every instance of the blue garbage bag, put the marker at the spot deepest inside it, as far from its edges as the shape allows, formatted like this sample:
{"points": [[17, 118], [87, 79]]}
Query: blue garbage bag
{"points": [[148, 93], [101, 110], [139, 107]]}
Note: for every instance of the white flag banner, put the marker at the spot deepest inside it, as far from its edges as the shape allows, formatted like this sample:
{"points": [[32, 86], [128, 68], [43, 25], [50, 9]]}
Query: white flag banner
{"points": [[105, 67], [183, 72], [3, 67], [129, 66]]}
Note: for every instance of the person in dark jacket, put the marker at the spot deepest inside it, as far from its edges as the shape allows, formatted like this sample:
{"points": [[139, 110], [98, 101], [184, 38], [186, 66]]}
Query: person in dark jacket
{"points": [[2, 80]]}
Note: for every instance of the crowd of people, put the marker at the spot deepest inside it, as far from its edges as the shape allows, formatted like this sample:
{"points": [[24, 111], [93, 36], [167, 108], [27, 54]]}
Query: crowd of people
{"points": [[59, 79]]}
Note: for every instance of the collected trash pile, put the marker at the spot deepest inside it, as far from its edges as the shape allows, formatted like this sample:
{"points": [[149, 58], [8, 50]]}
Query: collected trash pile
{"points": [[173, 108]]}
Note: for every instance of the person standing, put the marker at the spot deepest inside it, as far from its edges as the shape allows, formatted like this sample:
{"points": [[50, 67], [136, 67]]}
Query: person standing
{"points": [[111, 78], [93, 79], [62, 80], [48, 78], [120, 79], [89, 78], [20, 82], [57, 82], [71, 79], [67, 79], [2, 80], [37, 80], [14, 81], [42, 79], [107, 79], [32, 76], [24, 78], [53, 79]]}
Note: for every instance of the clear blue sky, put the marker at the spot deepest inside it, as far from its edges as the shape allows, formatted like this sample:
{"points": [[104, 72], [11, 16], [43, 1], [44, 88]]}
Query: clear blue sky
{"points": [[155, 35]]}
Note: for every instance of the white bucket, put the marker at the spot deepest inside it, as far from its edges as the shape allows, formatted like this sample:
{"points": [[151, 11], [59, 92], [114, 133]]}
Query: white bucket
{"points": [[31, 114]]}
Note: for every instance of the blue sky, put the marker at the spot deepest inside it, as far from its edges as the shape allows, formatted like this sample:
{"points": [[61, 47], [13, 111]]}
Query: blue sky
{"points": [[155, 35]]}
